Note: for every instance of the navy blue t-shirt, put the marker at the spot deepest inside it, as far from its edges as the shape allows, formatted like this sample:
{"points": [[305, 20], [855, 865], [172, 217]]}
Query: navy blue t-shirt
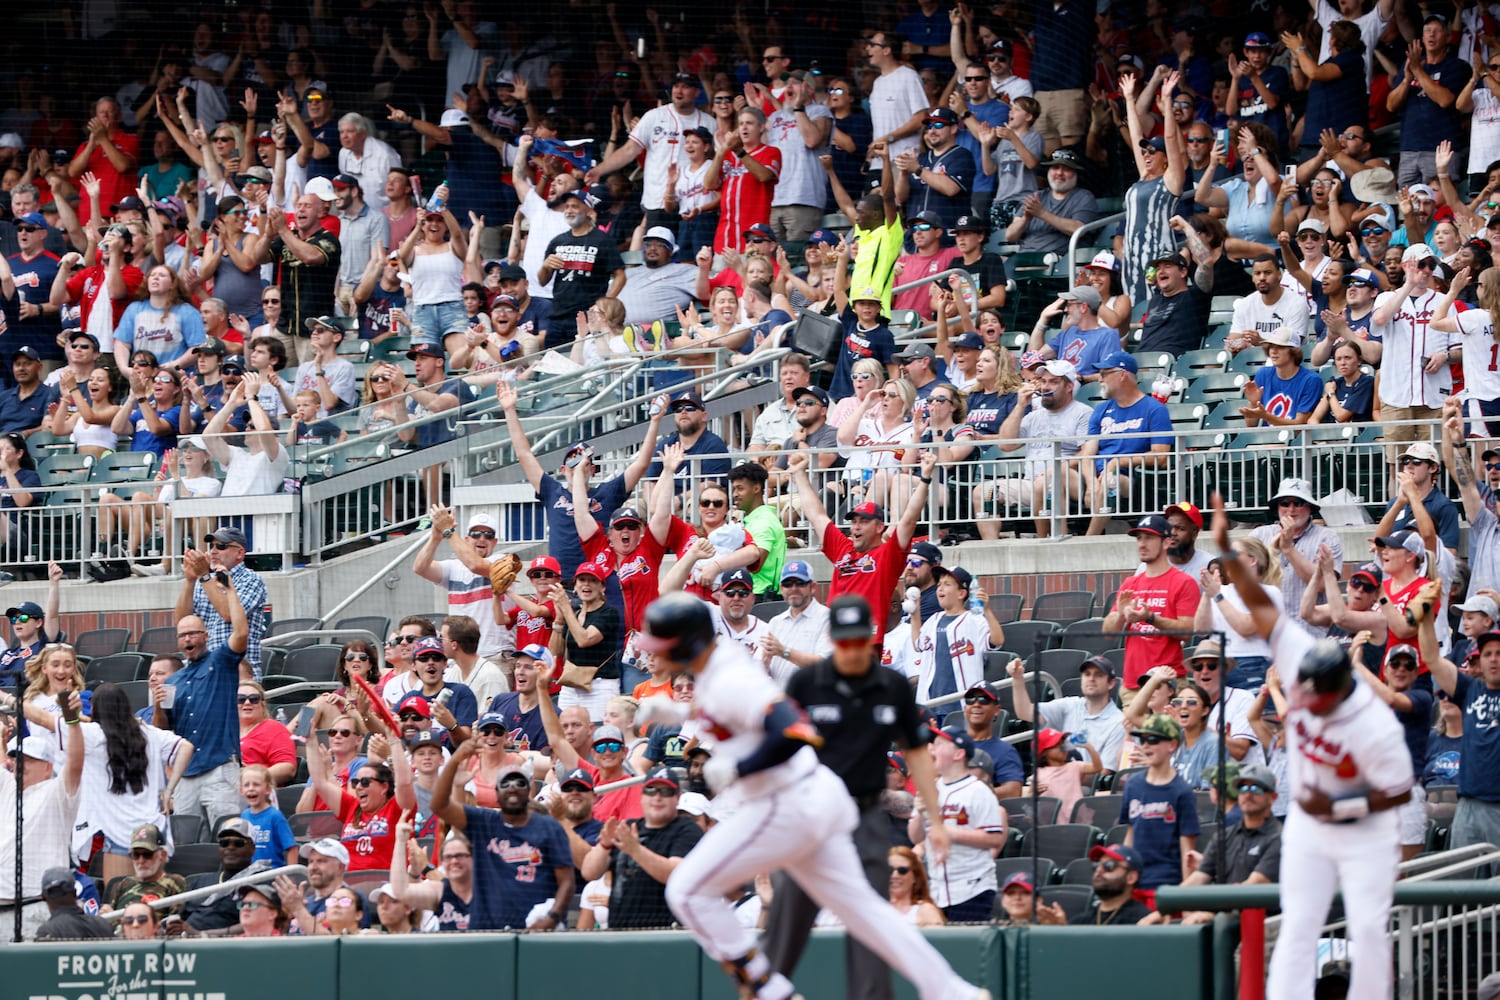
{"points": [[708, 443], [463, 704], [1358, 398], [1416, 725], [1443, 757], [1159, 815], [988, 410], [1444, 516], [562, 534], [1008, 765], [1424, 123], [1337, 104], [514, 866], [1253, 107], [877, 343], [526, 730], [438, 431], [17, 414], [1480, 741], [957, 164]]}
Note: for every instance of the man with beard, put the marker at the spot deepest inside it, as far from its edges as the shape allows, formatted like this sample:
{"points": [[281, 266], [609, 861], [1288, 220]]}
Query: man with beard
{"points": [[586, 265], [466, 577], [691, 418], [150, 879], [733, 620], [523, 870], [921, 564], [939, 178], [810, 429], [204, 711], [656, 290], [1252, 847], [573, 807], [1155, 608], [1270, 308], [1093, 712], [1084, 341], [1060, 416], [1047, 219], [218, 912], [1177, 309], [1295, 539], [643, 854], [799, 636], [362, 227], [327, 861], [1117, 869]]}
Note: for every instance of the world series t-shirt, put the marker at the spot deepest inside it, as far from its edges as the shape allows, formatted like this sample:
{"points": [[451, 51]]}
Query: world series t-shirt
{"points": [[589, 263], [514, 866]]}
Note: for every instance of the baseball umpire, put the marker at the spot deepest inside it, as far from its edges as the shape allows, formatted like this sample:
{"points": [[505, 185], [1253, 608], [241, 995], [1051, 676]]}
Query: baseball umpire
{"points": [[860, 708]]}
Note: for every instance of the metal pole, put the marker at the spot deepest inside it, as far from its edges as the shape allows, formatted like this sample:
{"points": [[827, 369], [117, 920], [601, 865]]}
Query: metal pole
{"points": [[401, 557], [20, 775], [1219, 778]]}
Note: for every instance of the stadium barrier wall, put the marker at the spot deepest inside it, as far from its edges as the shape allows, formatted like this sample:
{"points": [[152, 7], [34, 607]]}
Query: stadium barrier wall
{"points": [[1026, 963]]}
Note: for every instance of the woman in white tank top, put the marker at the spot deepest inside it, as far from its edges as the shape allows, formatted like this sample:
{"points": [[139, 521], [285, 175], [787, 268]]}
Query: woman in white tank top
{"points": [[433, 256], [85, 412]]}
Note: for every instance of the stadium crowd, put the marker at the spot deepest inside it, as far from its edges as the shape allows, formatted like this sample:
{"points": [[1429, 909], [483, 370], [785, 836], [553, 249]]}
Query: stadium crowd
{"points": [[348, 226]]}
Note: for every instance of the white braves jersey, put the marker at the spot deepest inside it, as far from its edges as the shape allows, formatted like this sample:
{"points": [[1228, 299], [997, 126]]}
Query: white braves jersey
{"points": [[969, 871], [968, 641], [749, 637], [659, 133], [730, 699], [1354, 750], [1481, 354], [1409, 339]]}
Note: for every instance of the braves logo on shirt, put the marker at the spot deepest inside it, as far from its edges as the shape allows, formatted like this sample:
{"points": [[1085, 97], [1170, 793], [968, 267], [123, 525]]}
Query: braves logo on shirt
{"points": [[859, 345], [519, 741], [1164, 811], [957, 814], [963, 647], [853, 565], [633, 566], [1279, 405], [1326, 753]]}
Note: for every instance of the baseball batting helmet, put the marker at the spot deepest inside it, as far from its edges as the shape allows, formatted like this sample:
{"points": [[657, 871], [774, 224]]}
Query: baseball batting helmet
{"points": [[1323, 677], [678, 626]]}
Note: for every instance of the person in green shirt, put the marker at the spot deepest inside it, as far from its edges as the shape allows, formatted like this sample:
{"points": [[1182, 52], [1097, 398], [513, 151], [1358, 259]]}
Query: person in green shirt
{"points": [[747, 487], [878, 231]]}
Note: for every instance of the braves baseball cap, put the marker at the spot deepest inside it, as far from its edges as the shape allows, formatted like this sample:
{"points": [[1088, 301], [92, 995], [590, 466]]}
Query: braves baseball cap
{"points": [[147, 838], [1103, 664], [427, 644], [984, 688], [970, 224], [597, 571], [739, 575], [796, 569], [958, 735], [960, 576], [1405, 649], [1122, 360], [575, 777], [626, 513], [1049, 738], [970, 341], [1119, 852], [1152, 524], [928, 551], [821, 236], [491, 720], [1017, 880], [662, 776], [1258, 40], [868, 509], [424, 738], [538, 652]]}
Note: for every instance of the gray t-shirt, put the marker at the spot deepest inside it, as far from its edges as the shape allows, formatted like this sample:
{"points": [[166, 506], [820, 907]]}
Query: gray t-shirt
{"points": [[1484, 546], [1070, 423], [1012, 179], [1077, 204], [802, 180], [824, 437], [653, 293]]}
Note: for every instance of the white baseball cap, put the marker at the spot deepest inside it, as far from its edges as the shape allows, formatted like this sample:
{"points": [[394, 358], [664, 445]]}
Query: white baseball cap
{"points": [[482, 520], [1281, 337], [1417, 251], [321, 187], [1105, 261], [661, 233], [1063, 369]]}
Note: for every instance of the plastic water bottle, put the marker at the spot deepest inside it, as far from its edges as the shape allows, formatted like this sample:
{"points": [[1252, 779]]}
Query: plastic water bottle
{"points": [[976, 604], [436, 201], [281, 716], [1078, 739]]}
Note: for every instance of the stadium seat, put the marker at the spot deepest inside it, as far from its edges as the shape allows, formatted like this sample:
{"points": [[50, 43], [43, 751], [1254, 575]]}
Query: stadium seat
{"points": [[1096, 810], [287, 797], [766, 610], [1042, 811], [1087, 634], [1075, 900], [1025, 637], [313, 663], [116, 668], [1079, 871], [1062, 664], [187, 828], [137, 692], [101, 642], [1063, 607], [1249, 361], [1116, 834], [1041, 870], [159, 640], [1187, 416], [1207, 359], [314, 825], [1006, 607], [378, 625], [194, 859], [1062, 842], [124, 467], [1215, 386]]}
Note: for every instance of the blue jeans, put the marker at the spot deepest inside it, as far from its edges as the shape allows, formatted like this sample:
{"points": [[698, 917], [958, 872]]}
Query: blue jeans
{"points": [[1249, 673]]}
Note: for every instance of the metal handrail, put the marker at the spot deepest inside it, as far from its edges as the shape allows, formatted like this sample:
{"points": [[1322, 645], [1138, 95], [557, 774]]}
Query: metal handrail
{"points": [[1076, 238], [204, 892], [1265, 896]]}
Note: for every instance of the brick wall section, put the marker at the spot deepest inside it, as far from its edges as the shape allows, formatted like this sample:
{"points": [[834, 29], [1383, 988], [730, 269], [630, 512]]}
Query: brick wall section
{"points": [[78, 623], [1102, 584]]}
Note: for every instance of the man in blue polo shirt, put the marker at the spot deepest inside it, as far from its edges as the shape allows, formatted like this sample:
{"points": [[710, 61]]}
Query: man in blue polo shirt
{"points": [[523, 867], [203, 709], [556, 499], [1126, 410], [23, 406]]}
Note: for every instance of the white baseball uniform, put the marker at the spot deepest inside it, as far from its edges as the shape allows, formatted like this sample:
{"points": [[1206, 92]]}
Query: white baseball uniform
{"points": [[1354, 750], [969, 871], [796, 816], [968, 637]]}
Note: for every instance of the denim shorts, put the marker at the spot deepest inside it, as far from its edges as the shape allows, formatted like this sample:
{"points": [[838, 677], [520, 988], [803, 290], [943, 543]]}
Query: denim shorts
{"points": [[438, 319]]}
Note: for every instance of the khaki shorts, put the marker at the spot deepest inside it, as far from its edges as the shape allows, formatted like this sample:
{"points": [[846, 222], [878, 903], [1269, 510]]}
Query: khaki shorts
{"points": [[1410, 432], [1064, 114]]}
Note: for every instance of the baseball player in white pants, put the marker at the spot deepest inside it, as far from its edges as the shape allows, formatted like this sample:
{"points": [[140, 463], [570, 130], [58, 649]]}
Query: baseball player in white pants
{"points": [[1350, 772], [785, 810]]}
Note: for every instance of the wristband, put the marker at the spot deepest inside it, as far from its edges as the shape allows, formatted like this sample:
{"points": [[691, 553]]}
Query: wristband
{"points": [[926, 479], [447, 532], [1350, 809], [70, 722], [1218, 598]]}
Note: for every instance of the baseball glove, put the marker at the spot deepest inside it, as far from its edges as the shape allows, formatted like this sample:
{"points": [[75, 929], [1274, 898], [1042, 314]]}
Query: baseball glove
{"points": [[1420, 607], [503, 572]]}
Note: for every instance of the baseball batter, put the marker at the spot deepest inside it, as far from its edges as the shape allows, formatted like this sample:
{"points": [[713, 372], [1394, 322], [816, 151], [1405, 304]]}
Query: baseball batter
{"points": [[783, 810], [1349, 772]]}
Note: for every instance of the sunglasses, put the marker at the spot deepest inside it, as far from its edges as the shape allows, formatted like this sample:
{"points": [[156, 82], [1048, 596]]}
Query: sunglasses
{"points": [[694, 407], [1182, 104], [976, 79], [341, 732], [1194, 140], [924, 227], [234, 211], [1206, 665], [143, 364], [143, 854], [627, 525], [758, 239], [223, 138], [662, 791], [457, 856], [28, 229], [380, 378], [978, 699], [1492, 465], [736, 592], [1185, 703], [432, 658], [836, 91], [772, 58], [1493, 66], [481, 533], [900, 869], [608, 746], [250, 904], [541, 574], [514, 783], [1426, 264], [1362, 585], [1110, 865], [403, 639], [1150, 739], [730, 100], [997, 58], [1253, 788], [891, 395], [1355, 136], [250, 699], [270, 302], [713, 504], [940, 399], [1406, 460], [1400, 665], [164, 380], [144, 918], [1291, 503], [1372, 230], [1309, 237], [933, 127], [411, 717], [233, 842], [23, 619], [342, 902], [356, 657], [362, 782]]}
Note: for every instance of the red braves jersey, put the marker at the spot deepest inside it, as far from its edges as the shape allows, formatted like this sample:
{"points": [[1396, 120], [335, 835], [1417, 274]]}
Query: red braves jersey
{"points": [[745, 200], [531, 628], [87, 286], [872, 575], [638, 573], [1401, 598]]}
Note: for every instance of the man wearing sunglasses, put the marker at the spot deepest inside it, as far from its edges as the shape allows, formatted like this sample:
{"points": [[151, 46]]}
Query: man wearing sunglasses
{"points": [[1251, 848], [149, 879], [705, 453], [521, 858], [643, 854], [1420, 463], [236, 840], [1117, 872], [33, 269], [466, 577]]}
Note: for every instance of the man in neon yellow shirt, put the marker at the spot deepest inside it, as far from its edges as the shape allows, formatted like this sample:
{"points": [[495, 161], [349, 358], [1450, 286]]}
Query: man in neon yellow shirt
{"points": [[878, 231]]}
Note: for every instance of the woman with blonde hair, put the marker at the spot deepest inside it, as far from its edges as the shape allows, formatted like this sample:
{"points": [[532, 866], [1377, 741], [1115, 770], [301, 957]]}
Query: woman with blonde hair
{"points": [[52, 673], [1242, 644], [908, 891], [866, 376], [878, 431], [601, 332]]}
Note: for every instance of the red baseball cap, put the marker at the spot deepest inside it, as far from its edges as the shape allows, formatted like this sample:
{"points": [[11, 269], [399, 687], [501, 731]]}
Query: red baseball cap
{"points": [[1188, 510], [417, 704], [1049, 738], [544, 562]]}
